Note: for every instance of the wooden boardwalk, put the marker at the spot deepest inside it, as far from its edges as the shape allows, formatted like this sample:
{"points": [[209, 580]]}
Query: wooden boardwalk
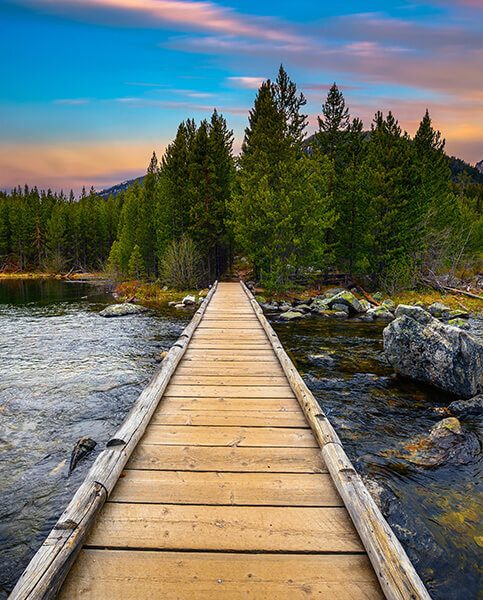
{"points": [[226, 495]]}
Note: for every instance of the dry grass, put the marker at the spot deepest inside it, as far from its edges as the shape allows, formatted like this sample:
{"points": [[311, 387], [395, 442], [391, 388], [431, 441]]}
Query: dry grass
{"points": [[151, 294]]}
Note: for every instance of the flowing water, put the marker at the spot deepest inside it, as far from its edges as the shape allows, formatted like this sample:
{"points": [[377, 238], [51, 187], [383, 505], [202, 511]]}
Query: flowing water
{"points": [[65, 372], [434, 512]]}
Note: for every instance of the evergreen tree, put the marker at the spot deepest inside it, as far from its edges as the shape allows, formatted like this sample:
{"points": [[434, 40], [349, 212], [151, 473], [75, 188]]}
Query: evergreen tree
{"points": [[333, 124], [290, 103], [136, 268]]}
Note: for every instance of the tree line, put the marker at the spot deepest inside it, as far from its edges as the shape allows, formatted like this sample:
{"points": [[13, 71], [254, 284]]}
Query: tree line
{"points": [[376, 204]]}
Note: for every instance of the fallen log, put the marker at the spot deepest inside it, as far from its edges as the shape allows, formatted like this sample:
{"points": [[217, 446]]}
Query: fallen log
{"points": [[464, 292]]}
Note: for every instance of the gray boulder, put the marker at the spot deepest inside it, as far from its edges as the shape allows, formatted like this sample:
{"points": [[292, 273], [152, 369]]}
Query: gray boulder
{"points": [[189, 300], [303, 308], [467, 408], [121, 310], [389, 305], [348, 299], [341, 308], [291, 315], [380, 313], [320, 304], [435, 353], [438, 309], [415, 312]]}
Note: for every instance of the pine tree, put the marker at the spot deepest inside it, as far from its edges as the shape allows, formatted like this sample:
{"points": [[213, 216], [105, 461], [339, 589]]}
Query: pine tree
{"points": [[333, 124], [136, 267], [290, 103]]}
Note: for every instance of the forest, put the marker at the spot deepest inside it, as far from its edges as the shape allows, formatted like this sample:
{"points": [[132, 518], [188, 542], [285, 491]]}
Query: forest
{"points": [[376, 204]]}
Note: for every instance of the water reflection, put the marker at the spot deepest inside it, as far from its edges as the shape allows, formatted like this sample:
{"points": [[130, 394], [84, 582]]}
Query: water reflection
{"points": [[65, 373], [434, 512]]}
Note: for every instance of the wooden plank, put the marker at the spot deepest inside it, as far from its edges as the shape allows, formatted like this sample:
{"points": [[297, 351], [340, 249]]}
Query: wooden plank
{"points": [[230, 418], [267, 405], [150, 575], [224, 379], [227, 355], [229, 391], [229, 369], [228, 528], [242, 460], [254, 489], [182, 435]]}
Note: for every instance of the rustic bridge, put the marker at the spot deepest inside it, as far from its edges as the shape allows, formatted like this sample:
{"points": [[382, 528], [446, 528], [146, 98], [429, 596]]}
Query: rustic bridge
{"points": [[225, 481]]}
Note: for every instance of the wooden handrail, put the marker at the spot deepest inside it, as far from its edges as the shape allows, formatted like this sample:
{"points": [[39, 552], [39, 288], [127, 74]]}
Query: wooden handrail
{"points": [[47, 570], [397, 576]]}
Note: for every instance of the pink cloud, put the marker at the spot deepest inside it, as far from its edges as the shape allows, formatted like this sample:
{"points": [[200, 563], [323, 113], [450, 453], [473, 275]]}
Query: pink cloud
{"points": [[185, 14], [250, 83]]}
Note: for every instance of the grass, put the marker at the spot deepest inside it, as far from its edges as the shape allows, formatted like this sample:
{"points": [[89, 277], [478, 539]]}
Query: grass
{"points": [[47, 275], [152, 294]]}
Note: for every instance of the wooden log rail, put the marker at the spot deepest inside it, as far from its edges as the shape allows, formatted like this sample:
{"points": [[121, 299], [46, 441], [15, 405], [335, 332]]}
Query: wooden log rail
{"points": [[47, 570], [397, 575]]}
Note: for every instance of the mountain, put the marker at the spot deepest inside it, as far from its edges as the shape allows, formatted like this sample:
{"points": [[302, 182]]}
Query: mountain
{"points": [[479, 166], [119, 187], [460, 167]]}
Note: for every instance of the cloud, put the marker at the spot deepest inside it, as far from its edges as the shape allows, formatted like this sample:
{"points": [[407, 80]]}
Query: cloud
{"points": [[249, 83], [72, 101], [188, 15]]}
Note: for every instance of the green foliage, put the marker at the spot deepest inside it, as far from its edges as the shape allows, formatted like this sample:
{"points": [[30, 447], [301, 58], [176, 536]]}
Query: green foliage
{"points": [[136, 268], [180, 266]]}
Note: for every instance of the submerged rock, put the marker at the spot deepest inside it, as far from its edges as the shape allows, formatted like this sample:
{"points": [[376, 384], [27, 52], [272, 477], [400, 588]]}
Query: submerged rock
{"points": [[81, 449], [446, 442], [121, 310], [435, 353], [468, 408]]}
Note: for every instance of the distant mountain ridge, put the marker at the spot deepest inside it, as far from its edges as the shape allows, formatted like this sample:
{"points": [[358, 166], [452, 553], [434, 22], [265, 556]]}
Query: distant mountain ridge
{"points": [[120, 187]]}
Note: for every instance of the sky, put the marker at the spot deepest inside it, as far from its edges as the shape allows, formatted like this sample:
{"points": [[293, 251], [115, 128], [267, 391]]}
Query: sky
{"points": [[89, 88]]}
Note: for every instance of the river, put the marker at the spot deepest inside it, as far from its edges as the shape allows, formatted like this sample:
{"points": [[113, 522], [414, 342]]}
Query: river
{"points": [[66, 372]]}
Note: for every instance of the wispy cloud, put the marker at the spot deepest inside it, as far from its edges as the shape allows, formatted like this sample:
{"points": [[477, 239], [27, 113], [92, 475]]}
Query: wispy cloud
{"points": [[251, 83], [72, 101], [178, 105], [185, 14]]}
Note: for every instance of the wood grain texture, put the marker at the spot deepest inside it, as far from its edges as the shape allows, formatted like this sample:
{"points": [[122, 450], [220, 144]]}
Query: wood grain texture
{"points": [[241, 460], [226, 528], [253, 489], [247, 418], [129, 575]]}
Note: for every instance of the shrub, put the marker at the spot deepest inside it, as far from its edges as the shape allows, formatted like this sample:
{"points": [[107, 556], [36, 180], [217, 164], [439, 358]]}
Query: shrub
{"points": [[180, 265]]}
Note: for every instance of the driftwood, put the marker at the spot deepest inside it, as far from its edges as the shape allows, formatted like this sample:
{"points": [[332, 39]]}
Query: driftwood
{"points": [[367, 296], [396, 574], [464, 292], [47, 570]]}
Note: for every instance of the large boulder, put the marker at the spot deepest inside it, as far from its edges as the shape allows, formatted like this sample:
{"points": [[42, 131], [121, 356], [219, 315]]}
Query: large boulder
{"points": [[379, 313], [468, 408], [415, 312], [348, 299], [424, 349], [121, 310], [291, 315]]}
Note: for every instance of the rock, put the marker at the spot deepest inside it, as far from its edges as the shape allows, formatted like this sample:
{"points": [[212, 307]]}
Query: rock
{"points": [[189, 300], [461, 323], [320, 304], [435, 353], [341, 308], [321, 360], [339, 314], [349, 300], [380, 313], [284, 307], [260, 299], [389, 305], [165, 288], [457, 314], [446, 442], [378, 296], [172, 303], [366, 305], [303, 308], [291, 315], [333, 292], [415, 312], [121, 310], [83, 446], [269, 306], [437, 309], [467, 408], [161, 356], [180, 305]]}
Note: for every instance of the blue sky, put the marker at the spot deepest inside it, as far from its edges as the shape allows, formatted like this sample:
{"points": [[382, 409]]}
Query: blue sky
{"points": [[91, 87]]}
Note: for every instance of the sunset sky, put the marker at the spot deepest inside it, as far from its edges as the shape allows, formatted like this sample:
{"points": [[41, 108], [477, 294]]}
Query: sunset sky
{"points": [[90, 87]]}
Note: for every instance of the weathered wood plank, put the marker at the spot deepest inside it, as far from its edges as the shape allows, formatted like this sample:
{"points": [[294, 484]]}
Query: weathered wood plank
{"points": [[170, 435], [246, 418], [253, 489], [105, 575], [230, 528], [229, 404], [228, 391], [229, 380], [228, 369], [242, 460]]}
